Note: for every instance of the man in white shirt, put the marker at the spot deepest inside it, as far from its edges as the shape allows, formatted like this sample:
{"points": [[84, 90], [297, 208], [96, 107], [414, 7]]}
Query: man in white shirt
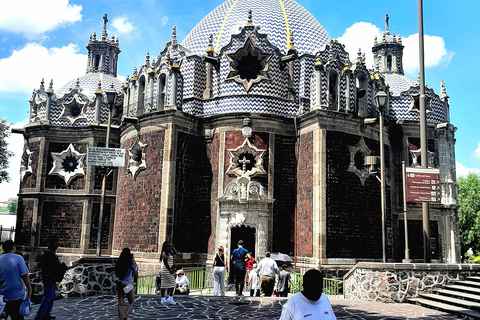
{"points": [[267, 268], [311, 303]]}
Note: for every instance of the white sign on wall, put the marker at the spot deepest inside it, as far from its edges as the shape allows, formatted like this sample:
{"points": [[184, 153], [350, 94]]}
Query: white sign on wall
{"points": [[105, 157]]}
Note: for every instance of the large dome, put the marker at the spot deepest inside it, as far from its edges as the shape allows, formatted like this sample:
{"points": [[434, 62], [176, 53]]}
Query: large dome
{"points": [[277, 18]]}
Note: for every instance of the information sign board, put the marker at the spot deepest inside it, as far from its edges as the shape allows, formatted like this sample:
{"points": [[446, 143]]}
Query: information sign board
{"points": [[105, 157], [423, 185]]}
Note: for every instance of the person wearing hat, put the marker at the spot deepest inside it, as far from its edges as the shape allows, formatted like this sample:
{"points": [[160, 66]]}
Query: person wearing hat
{"points": [[238, 258], [284, 282], [267, 269], [181, 283]]}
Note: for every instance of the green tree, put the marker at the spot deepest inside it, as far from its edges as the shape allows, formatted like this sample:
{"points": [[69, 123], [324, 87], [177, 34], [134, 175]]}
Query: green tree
{"points": [[469, 212], [12, 205], [5, 154]]}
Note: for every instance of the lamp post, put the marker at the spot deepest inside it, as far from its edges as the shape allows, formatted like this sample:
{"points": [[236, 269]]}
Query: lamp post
{"points": [[381, 100], [111, 97]]}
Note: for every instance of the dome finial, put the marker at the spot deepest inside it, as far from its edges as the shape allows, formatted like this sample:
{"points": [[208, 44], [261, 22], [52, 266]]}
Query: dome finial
{"points": [[104, 33], [135, 72], [386, 24], [77, 83], [99, 88], [94, 36], [50, 87], [210, 43], [147, 59], [292, 41], [250, 22], [42, 84], [443, 89], [174, 33]]}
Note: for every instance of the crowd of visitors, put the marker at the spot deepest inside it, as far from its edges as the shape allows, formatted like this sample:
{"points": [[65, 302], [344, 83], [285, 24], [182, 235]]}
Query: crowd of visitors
{"points": [[262, 279]]}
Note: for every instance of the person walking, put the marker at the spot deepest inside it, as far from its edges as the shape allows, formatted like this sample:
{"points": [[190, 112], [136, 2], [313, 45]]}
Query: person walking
{"points": [[124, 269], [14, 273], [166, 273], [311, 302], [52, 272], [238, 258], [220, 268], [267, 269], [284, 282], [254, 282]]}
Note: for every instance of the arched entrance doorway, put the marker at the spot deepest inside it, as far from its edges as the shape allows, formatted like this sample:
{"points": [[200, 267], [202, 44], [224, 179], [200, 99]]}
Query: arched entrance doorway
{"points": [[248, 235]]}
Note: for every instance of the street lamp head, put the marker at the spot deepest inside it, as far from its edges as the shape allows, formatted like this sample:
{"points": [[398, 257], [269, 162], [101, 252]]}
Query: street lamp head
{"points": [[111, 95], [381, 99]]}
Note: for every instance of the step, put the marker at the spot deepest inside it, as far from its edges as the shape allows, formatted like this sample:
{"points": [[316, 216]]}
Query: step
{"points": [[459, 295], [472, 284], [452, 301], [459, 311], [466, 289], [473, 278]]}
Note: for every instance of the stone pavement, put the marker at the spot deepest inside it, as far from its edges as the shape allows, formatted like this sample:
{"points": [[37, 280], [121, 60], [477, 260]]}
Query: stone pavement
{"points": [[222, 308]]}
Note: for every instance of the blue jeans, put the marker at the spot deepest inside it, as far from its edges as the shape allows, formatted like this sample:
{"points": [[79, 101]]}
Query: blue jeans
{"points": [[47, 300]]}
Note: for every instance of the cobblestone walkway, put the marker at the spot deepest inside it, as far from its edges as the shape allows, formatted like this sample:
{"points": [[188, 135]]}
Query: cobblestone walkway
{"points": [[222, 308]]}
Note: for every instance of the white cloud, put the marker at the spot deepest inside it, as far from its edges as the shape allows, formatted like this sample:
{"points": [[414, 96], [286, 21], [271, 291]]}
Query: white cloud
{"points": [[32, 17], [49, 64], [476, 154], [362, 34], [464, 171], [164, 20], [15, 144], [121, 25], [435, 53]]}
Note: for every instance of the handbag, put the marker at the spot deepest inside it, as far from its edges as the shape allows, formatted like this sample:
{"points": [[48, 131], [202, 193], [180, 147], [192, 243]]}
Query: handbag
{"points": [[128, 288], [26, 307]]}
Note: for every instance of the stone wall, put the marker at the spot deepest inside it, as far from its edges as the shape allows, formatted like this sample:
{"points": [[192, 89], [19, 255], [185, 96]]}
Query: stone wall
{"points": [[83, 279], [393, 282]]}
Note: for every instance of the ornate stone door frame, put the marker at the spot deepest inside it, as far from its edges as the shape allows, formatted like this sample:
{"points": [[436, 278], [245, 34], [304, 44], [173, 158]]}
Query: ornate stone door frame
{"points": [[254, 214]]}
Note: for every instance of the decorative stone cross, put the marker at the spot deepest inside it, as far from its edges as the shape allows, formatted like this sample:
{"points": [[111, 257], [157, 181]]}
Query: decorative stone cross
{"points": [[244, 162], [105, 20]]}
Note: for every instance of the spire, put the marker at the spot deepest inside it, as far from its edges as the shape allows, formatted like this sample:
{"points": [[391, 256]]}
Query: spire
{"points": [[77, 83], [135, 73], [99, 88], [42, 84], [443, 89], [147, 59], [50, 87], [210, 44]]}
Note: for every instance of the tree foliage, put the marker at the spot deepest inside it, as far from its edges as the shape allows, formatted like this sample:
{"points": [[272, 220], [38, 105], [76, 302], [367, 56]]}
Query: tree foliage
{"points": [[5, 154], [469, 212]]}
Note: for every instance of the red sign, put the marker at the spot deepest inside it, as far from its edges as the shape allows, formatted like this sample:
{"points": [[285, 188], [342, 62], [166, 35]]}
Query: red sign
{"points": [[423, 185]]}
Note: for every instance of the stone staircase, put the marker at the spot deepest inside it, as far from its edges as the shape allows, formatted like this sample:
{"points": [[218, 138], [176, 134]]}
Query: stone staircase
{"points": [[461, 299]]}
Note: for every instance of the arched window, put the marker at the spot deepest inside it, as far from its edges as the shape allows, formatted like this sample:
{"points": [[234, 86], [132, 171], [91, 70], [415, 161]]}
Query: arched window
{"points": [[161, 91], [141, 96], [361, 86], [97, 61], [333, 90], [389, 62]]}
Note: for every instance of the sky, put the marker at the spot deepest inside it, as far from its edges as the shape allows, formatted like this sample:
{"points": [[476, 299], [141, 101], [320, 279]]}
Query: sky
{"points": [[47, 39]]}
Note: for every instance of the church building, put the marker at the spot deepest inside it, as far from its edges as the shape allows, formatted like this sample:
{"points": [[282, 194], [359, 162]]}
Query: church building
{"points": [[257, 126]]}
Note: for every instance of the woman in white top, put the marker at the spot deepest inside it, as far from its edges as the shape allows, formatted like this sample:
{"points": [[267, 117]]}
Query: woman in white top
{"points": [[220, 267]]}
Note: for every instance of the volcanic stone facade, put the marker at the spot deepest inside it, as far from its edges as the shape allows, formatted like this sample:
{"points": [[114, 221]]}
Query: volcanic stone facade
{"points": [[258, 134]]}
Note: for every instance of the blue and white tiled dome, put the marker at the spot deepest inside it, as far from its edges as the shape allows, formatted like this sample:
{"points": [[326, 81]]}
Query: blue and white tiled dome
{"points": [[398, 83], [89, 84], [277, 18]]}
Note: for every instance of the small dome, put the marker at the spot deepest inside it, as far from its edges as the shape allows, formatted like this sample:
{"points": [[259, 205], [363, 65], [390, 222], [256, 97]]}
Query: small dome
{"points": [[276, 18], [398, 83], [88, 84]]}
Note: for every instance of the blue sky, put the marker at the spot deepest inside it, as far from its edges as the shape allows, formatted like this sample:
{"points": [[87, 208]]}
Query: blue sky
{"points": [[48, 38]]}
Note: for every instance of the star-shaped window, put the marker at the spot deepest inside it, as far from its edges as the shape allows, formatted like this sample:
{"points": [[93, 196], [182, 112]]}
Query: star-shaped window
{"points": [[248, 65], [73, 110], [246, 160], [68, 164]]}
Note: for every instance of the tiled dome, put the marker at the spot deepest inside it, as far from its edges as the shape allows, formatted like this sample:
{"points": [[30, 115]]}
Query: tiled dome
{"points": [[89, 84], [398, 83], [274, 17]]}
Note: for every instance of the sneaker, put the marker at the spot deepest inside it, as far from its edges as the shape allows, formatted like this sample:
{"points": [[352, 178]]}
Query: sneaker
{"points": [[163, 301], [170, 301]]}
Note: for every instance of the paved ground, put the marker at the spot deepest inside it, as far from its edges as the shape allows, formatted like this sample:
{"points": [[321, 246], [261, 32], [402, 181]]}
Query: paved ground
{"points": [[222, 308]]}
